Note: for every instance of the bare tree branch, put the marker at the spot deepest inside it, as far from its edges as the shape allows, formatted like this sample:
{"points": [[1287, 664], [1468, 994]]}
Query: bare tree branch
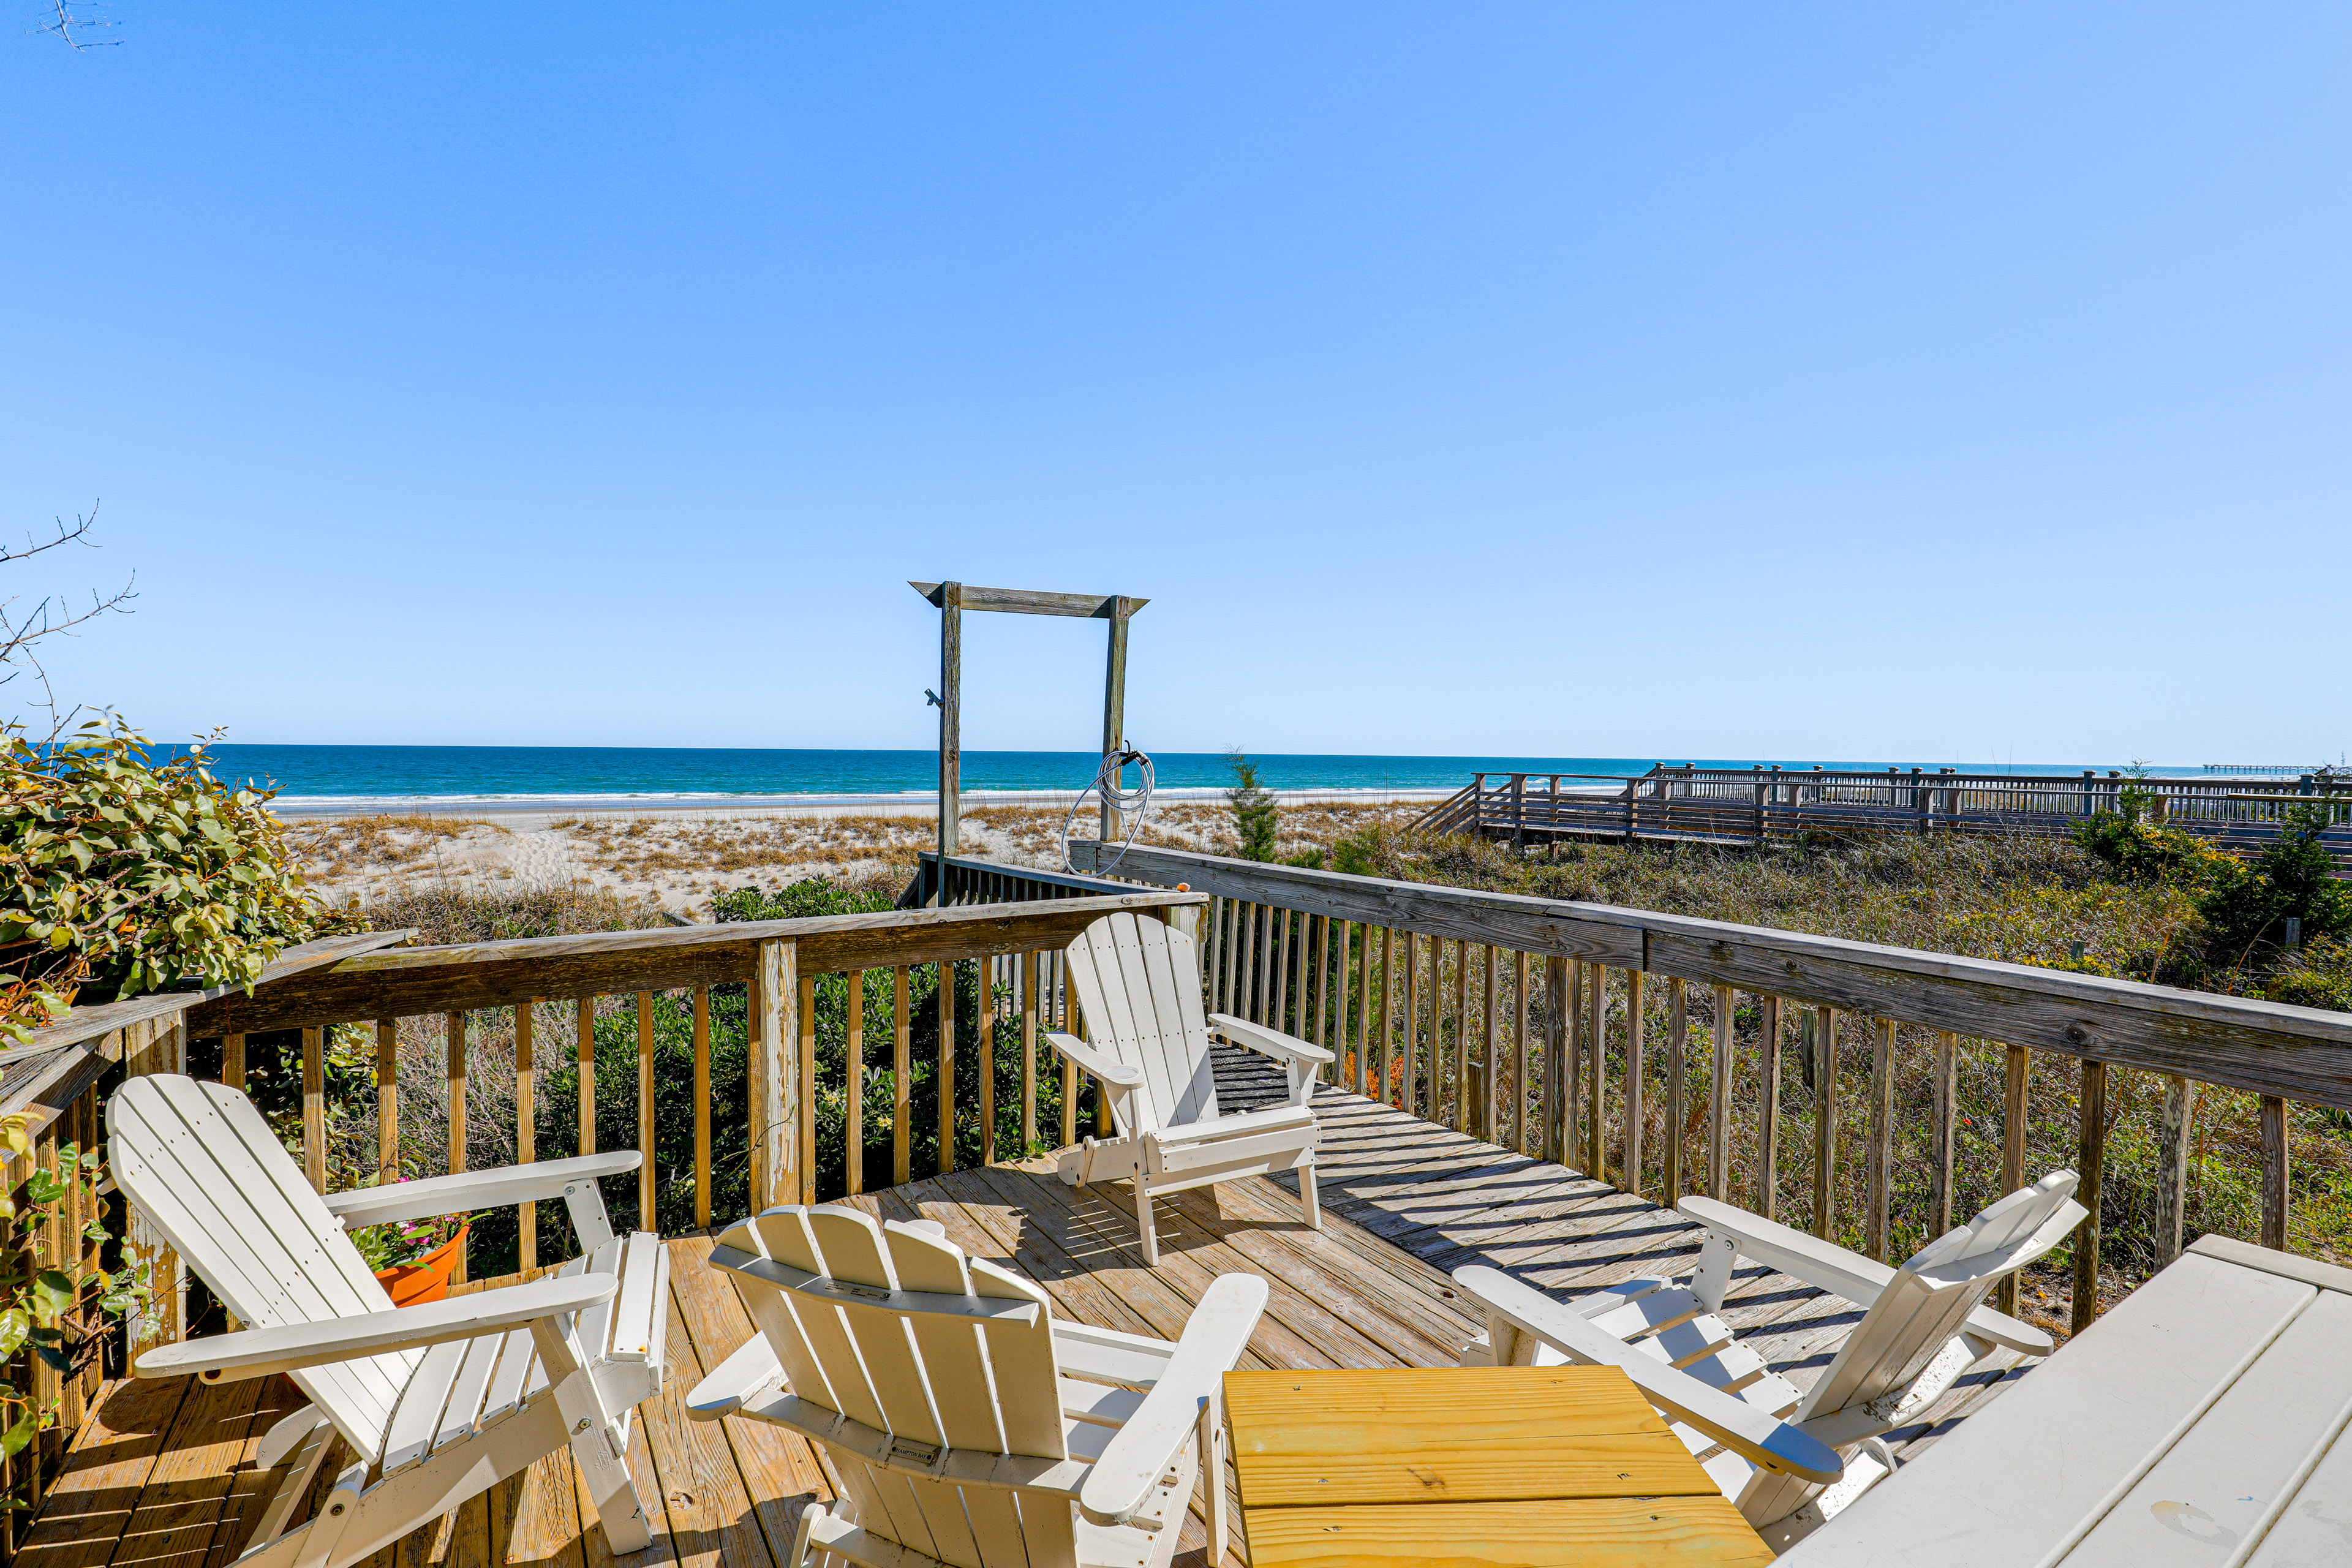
{"points": [[68, 26], [20, 630]]}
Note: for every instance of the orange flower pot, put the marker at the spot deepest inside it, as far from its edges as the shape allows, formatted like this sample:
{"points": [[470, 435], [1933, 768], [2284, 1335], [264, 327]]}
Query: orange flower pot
{"points": [[427, 1279]]}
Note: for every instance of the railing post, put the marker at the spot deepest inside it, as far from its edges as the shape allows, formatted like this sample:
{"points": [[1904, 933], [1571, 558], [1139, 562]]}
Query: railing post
{"points": [[2014, 1087], [1943, 1125], [1768, 1114], [2275, 1172], [2172, 1166], [1636, 1073], [1879, 1179], [1826, 1114], [1556, 1030], [1718, 1100], [774, 1084], [2090, 1162]]}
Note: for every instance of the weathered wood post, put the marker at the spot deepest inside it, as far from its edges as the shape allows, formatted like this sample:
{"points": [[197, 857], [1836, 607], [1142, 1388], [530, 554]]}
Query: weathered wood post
{"points": [[775, 1087], [950, 602], [1115, 707]]}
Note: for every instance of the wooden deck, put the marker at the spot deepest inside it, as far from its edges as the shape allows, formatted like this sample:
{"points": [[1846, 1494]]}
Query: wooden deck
{"points": [[162, 1475]]}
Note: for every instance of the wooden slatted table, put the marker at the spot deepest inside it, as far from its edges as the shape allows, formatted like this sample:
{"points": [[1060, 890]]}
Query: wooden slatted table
{"points": [[2203, 1422], [1540, 1467]]}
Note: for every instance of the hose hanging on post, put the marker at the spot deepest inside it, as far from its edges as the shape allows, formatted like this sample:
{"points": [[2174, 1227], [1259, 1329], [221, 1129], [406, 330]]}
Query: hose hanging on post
{"points": [[1132, 804]]}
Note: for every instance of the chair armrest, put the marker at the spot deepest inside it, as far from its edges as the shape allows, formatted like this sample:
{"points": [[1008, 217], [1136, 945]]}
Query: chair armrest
{"points": [[752, 1370], [1088, 1059], [1828, 1267], [289, 1347], [1268, 1042], [1761, 1439], [470, 1190], [1135, 1458]]}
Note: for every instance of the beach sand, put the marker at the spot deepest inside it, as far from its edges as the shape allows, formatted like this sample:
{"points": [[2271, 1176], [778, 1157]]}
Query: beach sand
{"points": [[678, 858]]}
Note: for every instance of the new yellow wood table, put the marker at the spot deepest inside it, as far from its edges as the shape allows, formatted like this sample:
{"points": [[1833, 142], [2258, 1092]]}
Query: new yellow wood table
{"points": [[1520, 1466]]}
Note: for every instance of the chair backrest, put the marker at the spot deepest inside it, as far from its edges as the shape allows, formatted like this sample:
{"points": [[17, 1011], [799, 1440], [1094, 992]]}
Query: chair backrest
{"points": [[201, 1166], [899, 1330], [1931, 1296], [1138, 985]]}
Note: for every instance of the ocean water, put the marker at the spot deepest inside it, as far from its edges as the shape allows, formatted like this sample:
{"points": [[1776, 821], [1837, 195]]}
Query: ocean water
{"points": [[525, 773]]}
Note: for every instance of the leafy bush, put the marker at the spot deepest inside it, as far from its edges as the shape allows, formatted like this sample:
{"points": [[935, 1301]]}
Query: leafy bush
{"points": [[2293, 878], [121, 874]]}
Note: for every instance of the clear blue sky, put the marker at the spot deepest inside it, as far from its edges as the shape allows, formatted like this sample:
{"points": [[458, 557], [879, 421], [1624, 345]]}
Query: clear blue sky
{"points": [[1716, 380]]}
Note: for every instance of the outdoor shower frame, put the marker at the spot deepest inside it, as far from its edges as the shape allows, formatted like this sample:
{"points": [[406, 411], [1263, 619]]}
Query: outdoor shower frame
{"points": [[953, 599]]}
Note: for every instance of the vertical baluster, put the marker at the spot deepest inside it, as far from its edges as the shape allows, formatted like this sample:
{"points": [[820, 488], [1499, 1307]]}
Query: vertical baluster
{"points": [[1768, 1114], [2089, 1164], [1677, 1087], [1522, 1061], [985, 1017], [646, 1164], [1942, 1130], [314, 1108], [1323, 980], [1288, 1001], [387, 1101], [1268, 978], [1719, 1097], [902, 1072], [1637, 1066], [702, 1107], [946, 1067], [1245, 983], [1408, 1087], [585, 1057], [2014, 1087], [1489, 1077], [1462, 1118], [2172, 1167], [1028, 1052], [853, 1140], [1222, 913], [1388, 1014], [1825, 1109], [1571, 1066], [1878, 1174], [457, 1068], [1557, 1029], [1596, 1054], [526, 1129], [803, 1120], [233, 1061], [2275, 1172]]}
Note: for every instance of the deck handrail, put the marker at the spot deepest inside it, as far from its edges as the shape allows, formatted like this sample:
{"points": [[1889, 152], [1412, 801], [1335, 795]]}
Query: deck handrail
{"points": [[1756, 804], [1361, 967]]}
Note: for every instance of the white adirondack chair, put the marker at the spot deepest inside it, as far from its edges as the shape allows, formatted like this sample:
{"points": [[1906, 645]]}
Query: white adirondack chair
{"points": [[439, 1401], [969, 1427], [1776, 1452], [1139, 987]]}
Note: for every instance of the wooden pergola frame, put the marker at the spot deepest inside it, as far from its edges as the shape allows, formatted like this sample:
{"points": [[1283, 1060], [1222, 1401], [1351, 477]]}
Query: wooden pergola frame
{"points": [[952, 600]]}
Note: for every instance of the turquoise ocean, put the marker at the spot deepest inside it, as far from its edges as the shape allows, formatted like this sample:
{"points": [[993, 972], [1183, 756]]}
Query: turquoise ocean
{"points": [[394, 773]]}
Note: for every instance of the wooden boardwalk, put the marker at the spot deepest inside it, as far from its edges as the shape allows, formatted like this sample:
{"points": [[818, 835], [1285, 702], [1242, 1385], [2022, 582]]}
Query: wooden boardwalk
{"points": [[161, 1476]]}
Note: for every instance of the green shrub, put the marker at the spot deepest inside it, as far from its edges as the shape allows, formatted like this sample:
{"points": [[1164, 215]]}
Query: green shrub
{"points": [[1257, 821], [121, 874]]}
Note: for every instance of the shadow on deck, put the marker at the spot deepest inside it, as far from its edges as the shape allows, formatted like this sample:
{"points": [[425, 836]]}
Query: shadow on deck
{"points": [[161, 1476]]}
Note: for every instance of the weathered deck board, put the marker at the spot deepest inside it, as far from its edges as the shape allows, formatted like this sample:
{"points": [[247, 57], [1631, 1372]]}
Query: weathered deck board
{"points": [[161, 1475]]}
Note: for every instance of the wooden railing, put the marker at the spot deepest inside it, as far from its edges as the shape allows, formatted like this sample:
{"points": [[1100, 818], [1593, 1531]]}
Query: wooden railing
{"points": [[1745, 806], [1619, 1040]]}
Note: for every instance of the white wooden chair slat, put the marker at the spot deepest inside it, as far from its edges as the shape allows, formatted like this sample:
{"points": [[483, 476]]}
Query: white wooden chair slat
{"points": [[973, 1447], [438, 1419], [256, 1252], [270, 1158], [1137, 986], [463, 1414], [416, 1421], [1906, 1349]]}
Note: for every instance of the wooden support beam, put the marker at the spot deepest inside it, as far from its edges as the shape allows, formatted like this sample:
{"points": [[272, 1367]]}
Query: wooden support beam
{"points": [[902, 1075], [2275, 1172], [2174, 1145], [1677, 1088], [1637, 1075], [2015, 1085], [526, 1129], [1719, 1097], [1943, 1129], [1878, 1173], [1825, 1122], [702, 1175], [1596, 1066], [2089, 1166], [1768, 1116], [314, 1103]]}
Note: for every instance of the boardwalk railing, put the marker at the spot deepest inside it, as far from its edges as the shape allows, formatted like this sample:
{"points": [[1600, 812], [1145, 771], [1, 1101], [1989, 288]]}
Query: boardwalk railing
{"points": [[1620, 1040], [1745, 806]]}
